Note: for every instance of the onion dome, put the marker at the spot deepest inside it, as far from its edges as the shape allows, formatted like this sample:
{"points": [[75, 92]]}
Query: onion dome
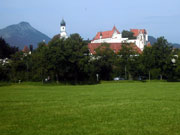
{"points": [[63, 23]]}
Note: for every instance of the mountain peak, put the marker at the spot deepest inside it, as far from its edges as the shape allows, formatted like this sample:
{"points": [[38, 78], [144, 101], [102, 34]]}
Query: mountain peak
{"points": [[24, 23], [22, 34]]}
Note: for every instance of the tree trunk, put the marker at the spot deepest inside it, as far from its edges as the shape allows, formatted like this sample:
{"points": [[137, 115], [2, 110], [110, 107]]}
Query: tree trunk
{"points": [[149, 76], [57, 80], [161, 77], [125, 73], [130, 76]]}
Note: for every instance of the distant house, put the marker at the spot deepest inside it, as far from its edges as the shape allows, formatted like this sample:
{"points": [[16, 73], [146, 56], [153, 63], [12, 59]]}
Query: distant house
{"points": [[26, 50]]}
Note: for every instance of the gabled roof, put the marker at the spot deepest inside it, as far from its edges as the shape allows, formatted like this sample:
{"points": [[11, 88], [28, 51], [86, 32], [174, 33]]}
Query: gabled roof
{"points": [[138, 31], [114, 46], [115, 29], [106, 34]]}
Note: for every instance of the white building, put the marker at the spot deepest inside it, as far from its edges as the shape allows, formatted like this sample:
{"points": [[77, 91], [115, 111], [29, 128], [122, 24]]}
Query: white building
{"points": [[63, 33], [114, 36]]}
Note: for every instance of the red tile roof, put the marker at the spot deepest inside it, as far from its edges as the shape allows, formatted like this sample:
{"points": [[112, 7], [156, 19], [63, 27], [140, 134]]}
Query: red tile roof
{"points": [[148, 44], [114, 46], [106, 34], [138, 31], [25, 49]]}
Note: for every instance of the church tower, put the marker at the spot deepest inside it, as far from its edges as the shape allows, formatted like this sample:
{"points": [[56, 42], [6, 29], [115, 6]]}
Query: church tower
{"points": [[63, 33]]}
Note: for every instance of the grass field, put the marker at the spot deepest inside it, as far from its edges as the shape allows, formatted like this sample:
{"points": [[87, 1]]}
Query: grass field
{"points": [[104, 109]]}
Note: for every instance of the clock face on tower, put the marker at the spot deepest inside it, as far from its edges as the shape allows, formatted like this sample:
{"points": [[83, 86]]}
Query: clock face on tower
{"points": [[62, 28]]}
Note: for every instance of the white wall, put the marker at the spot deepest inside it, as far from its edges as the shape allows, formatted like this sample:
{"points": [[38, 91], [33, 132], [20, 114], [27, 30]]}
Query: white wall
{"points": [[63, 32]]}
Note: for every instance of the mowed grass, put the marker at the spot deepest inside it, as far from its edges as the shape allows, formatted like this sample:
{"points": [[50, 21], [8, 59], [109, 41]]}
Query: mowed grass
{"points": [[103, 109]]}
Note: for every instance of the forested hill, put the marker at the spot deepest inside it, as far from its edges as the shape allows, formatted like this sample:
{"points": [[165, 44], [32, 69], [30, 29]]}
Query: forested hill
{"points": [[152, 40], [22, 34]]}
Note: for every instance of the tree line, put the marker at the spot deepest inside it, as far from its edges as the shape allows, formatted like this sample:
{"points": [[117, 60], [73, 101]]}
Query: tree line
{"points": [[69, 61]]}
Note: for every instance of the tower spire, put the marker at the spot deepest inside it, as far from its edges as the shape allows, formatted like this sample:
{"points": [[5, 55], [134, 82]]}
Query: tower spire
{"points": [[63, 33]]}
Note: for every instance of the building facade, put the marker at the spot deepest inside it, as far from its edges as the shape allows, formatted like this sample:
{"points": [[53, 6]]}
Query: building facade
{"points": [[114, 36]]}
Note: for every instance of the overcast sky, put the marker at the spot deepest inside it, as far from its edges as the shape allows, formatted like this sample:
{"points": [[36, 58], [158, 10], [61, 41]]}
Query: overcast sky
{"points": [[87, 17]]}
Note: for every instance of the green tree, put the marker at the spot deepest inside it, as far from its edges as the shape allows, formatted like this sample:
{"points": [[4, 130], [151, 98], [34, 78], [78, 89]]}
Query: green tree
{"points": [[40, 62], [176, 63], [127, 56], [162, 55], [5, 72], [6, 50], [65, 60], [104, 61], [148, 60], [77, 58], [128, 34], [18, 67]]}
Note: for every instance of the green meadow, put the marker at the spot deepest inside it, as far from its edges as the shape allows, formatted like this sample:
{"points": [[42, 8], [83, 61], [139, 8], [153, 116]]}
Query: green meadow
{"points": [[128, 108]]}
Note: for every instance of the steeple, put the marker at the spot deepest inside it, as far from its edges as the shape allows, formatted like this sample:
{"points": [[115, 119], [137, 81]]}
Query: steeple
{"points": [[63, 23], [63, 33]]}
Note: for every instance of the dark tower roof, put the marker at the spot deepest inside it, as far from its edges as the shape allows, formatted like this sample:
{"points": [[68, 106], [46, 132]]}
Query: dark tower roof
{"points": [[63, 23]]}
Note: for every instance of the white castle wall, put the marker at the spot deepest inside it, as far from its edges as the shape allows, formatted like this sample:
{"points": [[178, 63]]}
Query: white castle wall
{"points": [[141, 41]]}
